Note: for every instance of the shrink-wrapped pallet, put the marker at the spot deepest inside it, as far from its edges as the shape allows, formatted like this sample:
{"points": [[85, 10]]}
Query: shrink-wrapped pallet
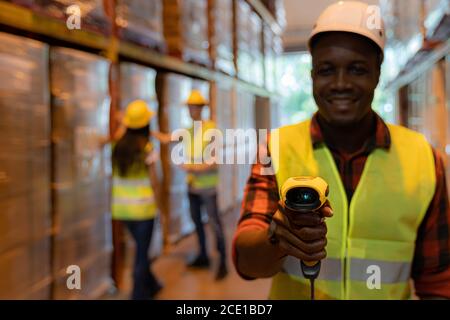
{"points": [[249, 49], [244, 61], [140, 21], [82, 168], [25, 216], [221, 35], [257, 71], [245, 119], [186, 30], [269, 59], [224, 111]]}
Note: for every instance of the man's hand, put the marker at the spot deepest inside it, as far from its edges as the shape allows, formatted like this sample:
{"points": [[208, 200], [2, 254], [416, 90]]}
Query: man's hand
{"points": [[302, 235]]}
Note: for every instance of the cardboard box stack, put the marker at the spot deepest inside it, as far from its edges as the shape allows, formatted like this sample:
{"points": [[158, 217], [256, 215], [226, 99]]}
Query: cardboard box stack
{"points": [[25, 216], [186, 30], [138, 82], [140, 21], [173, 91], [94, 13], [221, 35], [81, 171]]}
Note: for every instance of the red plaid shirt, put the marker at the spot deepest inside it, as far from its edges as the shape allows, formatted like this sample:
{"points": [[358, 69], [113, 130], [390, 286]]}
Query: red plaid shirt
{"points": [[431, 264]]}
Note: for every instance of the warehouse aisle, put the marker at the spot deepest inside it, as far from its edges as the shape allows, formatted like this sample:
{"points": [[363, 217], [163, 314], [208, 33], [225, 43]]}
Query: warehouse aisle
{"points": [[183, 283]]}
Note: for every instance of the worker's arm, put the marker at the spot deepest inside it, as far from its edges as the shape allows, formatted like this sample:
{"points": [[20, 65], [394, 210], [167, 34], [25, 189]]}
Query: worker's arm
{"points": [[431, 265], [302, 236], [164, 138]]}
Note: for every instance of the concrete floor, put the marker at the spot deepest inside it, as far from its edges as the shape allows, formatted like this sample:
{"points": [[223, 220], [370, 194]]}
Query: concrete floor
{"points": [[183, 283]]}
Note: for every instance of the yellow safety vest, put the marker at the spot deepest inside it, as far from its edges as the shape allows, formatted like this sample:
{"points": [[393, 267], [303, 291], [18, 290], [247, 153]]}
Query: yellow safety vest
{"points": [[376, 232], [132, 196], [206, 180]]}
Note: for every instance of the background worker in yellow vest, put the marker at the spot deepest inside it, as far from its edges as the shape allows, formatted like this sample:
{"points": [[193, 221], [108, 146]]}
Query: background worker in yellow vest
{"points": [[202, 183], [135, 192], [389, 216]]}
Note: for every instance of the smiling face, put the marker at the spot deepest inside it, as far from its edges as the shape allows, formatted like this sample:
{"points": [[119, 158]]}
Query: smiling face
{"points": [[346, 71]]}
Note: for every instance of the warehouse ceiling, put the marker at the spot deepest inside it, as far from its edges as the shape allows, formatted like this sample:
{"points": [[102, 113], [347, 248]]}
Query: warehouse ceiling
{"points": [[301, 15]]}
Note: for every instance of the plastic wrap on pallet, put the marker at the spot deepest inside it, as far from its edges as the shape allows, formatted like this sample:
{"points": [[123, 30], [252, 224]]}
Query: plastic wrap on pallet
{"points": [[224, 98], [95, 279], [278, 11], [221, 35], [243, 31], [140, 21], [23, 268], [25, 216], [257, 74], [80, 114], [138, 82], [269, 59], [81, 242], [93, 13], [82, 169], [186, 30], [278, 51], [245, 119]]}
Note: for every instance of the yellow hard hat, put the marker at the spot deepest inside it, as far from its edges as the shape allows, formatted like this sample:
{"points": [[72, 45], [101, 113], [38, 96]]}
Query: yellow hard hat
{"points": [[196, 98], [354, 17], [137, 115]]}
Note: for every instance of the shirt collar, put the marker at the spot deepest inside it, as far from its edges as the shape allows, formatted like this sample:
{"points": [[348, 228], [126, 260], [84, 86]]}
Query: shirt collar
{"points": [[381, 138]]}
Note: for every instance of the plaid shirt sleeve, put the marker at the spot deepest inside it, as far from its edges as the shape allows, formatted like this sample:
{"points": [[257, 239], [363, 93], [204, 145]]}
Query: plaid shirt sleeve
{"points": [[259, 203], [431, 265]]}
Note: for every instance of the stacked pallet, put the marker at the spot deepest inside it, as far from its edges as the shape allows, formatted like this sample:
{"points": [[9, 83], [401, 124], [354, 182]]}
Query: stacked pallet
{"points": [[186, 30], [245, 119], [94, 14], [276, 8], [25, 216], [81, 172], [273, 49], [138, 82], [248, 32], [221, 35], [140, 21]]}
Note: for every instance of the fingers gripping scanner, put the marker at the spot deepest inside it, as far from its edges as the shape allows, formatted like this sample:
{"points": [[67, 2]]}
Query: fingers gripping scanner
{"points": [[303, 195]]}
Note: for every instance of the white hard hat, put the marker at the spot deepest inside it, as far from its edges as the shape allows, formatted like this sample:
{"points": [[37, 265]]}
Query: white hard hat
{"points": [[352, 16]]}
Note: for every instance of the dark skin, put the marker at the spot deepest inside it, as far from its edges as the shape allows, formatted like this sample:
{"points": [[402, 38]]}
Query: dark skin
{"points": [[346, 70]]}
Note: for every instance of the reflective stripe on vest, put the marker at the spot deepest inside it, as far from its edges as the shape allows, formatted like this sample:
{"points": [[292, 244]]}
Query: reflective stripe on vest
{"points": [[132, 199], [379, 227]]}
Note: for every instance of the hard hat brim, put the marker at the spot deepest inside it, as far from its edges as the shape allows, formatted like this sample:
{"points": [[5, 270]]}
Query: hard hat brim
{"points": [[347, 29], [144, 121]]}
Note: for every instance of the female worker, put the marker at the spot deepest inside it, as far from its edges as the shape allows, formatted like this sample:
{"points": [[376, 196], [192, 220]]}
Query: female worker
{"points": [[135, 192]]}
